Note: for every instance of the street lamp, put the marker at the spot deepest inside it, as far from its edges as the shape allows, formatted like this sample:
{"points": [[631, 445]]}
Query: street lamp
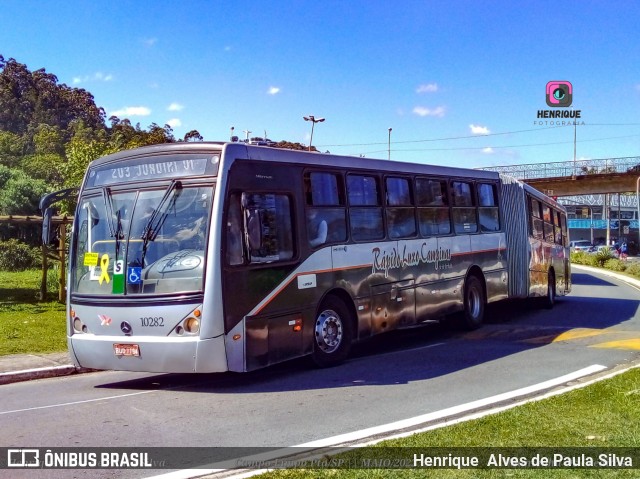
{"points": [[313, 121]]}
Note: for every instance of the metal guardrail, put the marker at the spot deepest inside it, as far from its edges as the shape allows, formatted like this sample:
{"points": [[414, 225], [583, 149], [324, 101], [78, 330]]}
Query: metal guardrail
{"points": [[569, 168]]}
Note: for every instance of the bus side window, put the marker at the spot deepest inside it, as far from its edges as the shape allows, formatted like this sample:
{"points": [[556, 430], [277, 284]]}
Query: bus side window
{"points": [[326, 214], [433, 207], [365, 212], [537, 228], [400, 213], [488, 212], [235, 251], [268, 227], [464, 211]]}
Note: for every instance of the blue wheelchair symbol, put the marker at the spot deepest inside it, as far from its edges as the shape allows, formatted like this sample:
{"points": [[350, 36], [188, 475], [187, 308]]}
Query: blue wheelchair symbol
{"points": [[134, 274]]}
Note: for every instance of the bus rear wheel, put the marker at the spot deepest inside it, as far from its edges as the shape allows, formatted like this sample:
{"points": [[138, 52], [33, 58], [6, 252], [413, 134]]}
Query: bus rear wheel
{"points": [[333, 333], [474, 304], [550, 299]]}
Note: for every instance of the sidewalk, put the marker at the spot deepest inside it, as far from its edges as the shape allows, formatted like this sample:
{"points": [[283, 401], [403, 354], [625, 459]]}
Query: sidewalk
{"points": [[23, 367]]}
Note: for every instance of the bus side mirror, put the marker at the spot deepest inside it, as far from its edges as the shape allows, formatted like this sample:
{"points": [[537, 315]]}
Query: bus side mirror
{"points": [[48, 233]]}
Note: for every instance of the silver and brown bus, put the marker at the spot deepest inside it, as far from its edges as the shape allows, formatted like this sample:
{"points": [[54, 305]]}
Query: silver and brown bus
{"points": [[211, 257]]}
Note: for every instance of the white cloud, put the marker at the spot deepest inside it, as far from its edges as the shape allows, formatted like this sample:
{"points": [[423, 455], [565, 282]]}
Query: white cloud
{"points": [[423, 111], [98, 76], [150, 41], [175, 107], [479, 130], [488, 150], [132, 111], [102, 77], [427, 88], [274, 90], [174, 122]]}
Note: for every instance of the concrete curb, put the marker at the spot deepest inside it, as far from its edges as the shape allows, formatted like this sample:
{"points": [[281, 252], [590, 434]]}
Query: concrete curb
{"points": [[621, 277], [37, 373]]}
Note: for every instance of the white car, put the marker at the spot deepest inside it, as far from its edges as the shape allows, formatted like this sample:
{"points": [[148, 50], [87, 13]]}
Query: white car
{"points": [[581, 245]]}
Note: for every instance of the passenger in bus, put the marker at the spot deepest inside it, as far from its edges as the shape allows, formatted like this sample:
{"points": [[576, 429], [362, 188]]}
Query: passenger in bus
{"points": [[192, 236], [318, 230]]}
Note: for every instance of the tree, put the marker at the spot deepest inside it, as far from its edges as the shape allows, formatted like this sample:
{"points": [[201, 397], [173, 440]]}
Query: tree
{"points": [[19, 194], [11, 146], [293, 146], [80, 152], [193, 135], [48, 139], [48, 167], [29, 100]]}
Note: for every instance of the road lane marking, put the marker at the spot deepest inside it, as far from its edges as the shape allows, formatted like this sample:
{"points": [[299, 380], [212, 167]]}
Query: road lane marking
{"points": [[74, 403], [628, 344], [556, 334], [368, 433], [462, 408]]}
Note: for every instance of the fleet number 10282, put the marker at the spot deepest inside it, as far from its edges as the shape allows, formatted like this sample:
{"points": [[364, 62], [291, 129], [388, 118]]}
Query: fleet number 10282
{"points": [[152, 322]]}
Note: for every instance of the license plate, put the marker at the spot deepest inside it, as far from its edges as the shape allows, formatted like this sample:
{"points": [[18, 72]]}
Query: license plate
{"points": [[126, 349]]}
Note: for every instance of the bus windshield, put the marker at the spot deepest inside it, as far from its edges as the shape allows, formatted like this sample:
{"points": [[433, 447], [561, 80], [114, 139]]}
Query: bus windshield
{"points": [[146, 242]]}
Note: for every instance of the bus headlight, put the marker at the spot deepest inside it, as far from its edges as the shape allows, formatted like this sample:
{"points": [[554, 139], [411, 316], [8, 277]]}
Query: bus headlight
{"points": [[192, 325], [77, 325]]}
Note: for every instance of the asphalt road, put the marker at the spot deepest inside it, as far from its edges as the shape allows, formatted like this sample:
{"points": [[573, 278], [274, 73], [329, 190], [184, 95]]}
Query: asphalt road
{"points": [[388, 379]]}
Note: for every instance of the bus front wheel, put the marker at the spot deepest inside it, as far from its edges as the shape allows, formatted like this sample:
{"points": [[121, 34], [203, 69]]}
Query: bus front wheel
{"points": [[333, 333], [473, 313]]}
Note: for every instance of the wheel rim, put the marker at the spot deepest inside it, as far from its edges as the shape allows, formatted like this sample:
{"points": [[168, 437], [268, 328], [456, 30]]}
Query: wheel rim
{"points": [[329, 331]]}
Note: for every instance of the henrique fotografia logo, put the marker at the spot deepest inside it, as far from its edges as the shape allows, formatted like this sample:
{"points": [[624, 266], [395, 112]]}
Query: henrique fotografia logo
{"points": [[559, 94]]}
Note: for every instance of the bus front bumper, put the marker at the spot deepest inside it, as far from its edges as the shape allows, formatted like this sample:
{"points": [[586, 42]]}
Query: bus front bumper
{"points": [[155, 354]]}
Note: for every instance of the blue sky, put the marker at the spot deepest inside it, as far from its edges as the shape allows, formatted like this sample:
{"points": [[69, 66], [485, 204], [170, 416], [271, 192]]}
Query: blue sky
{"points": [[459, 83]]}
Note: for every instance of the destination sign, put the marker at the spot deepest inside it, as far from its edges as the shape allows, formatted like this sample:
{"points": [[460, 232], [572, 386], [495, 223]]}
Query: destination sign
{"points": [[154, 168]]}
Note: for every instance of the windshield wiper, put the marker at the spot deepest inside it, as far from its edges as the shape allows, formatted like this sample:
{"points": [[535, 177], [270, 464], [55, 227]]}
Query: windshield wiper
{"points": [[108, 206], [115, 231], [159, 216]]}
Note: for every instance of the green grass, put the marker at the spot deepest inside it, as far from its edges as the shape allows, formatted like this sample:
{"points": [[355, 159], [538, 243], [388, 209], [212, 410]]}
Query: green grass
{"points": [[29, 326], [605, 414]]}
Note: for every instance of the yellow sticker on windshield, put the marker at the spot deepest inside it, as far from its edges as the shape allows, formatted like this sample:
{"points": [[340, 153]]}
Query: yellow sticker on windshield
{"points": [[91, 259], [104, 265]]}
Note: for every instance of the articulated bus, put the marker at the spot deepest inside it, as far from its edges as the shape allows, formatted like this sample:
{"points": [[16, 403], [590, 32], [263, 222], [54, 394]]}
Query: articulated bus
{"points": [[212, 257]]}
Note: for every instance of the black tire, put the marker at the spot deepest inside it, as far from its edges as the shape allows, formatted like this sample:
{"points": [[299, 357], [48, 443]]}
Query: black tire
{"points": [[550, 299], [474, 303], [333, 333]]}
